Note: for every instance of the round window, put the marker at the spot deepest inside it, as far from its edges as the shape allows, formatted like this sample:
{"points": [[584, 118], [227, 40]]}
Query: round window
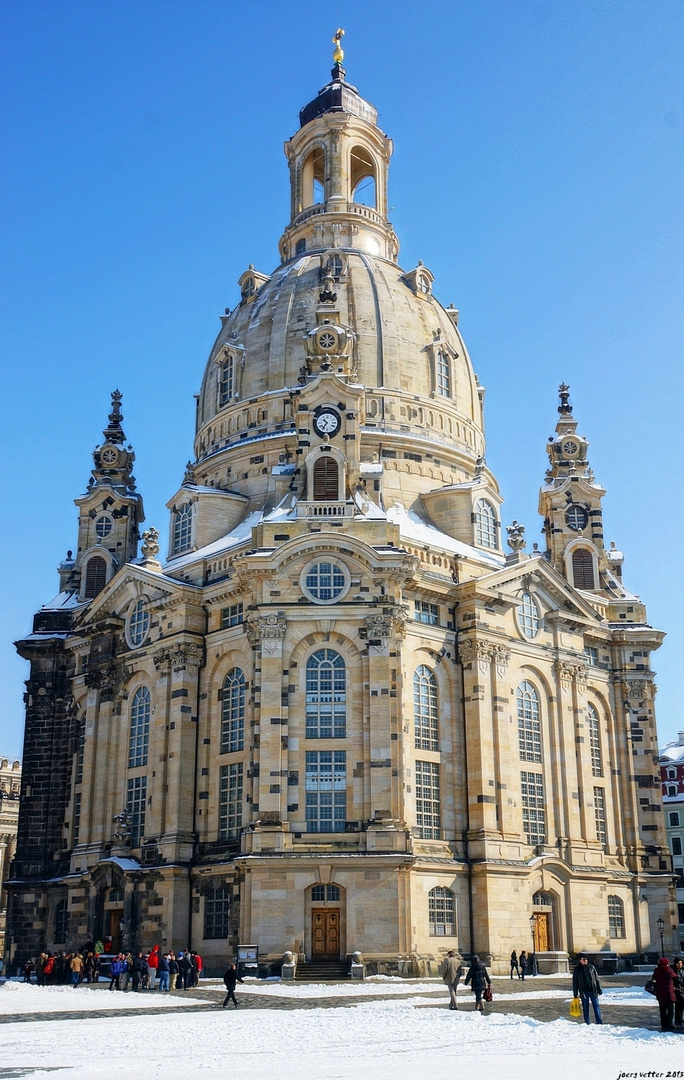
{"points": [[325, 582], [138, 623], [103, 526], [528, 616], [576, 517]]}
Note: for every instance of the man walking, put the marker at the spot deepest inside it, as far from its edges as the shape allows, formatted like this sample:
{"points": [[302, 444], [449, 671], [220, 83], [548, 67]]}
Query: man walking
{"points": [[230, 978], [452, 971], [514, 964], [586, 985]]}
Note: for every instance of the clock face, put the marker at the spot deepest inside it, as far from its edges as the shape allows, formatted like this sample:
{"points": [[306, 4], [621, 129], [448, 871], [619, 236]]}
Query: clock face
{"points": [[570, 447], [576, 517], [109, 455], [327, 422]]}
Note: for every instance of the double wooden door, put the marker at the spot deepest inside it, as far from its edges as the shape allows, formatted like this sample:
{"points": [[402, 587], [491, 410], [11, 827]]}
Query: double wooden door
{"points": [[325, 933], [541, 932]]}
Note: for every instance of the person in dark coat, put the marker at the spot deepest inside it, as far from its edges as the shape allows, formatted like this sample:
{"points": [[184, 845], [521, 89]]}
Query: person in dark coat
{"points": [[478, 977], [186, 970], [586, 985], [230, 978], [139, 969], [173, 971], [664, 979], [523, 964], [678, 968], [514, 964]]}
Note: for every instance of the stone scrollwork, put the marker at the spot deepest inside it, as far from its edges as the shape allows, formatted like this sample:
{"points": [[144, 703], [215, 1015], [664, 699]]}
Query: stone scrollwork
{"points": [[501, 657], [269, 630], [569, 672], [640, 689], [123, 823], [179, 657]]}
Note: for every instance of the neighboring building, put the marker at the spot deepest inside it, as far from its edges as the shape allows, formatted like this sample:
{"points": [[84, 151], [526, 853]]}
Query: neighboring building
{"points": [[341, 717], [10, 787], [672, 777]]}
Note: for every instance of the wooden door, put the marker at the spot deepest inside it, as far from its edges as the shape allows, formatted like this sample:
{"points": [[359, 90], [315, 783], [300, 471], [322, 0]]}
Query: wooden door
{"points": [[115, 916], [541, 932], [325, 934]]}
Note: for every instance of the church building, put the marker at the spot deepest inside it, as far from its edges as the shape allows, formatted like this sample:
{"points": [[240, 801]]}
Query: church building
{"points": [[351, 712]]}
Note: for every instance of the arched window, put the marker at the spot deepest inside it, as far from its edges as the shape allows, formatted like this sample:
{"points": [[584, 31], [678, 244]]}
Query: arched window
{"points": [[362, 177], [485, 524], [140, 728], [313, 178], [528, 616], [441, 911], [583, 569], [96, 576], [443, 374], [672, 774], [226, 380], [80, 754], [616, 917], [61, 922], [326, 479], [182, 528], [326, 695], [595, 741], [138, 623], [672, 791], [216, 913], [425, 709], [529, 726], [233, 716]]}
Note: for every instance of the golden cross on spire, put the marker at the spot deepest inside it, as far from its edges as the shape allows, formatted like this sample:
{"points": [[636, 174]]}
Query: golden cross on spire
{"points": [[338, 55]]}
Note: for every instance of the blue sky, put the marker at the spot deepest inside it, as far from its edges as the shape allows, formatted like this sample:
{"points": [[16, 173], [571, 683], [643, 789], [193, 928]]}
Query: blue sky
{"points": [[538, 172]]}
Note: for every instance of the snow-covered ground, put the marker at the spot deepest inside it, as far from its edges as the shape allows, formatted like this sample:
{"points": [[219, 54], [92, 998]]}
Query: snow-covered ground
{"points": [[18, 998], [386, 1038]]}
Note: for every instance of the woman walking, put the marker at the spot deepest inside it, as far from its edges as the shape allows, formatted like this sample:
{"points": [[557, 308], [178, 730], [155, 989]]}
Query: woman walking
{"points": [[664, 978], [523, 964], [678, 968], [478, 977], [230, 978]]}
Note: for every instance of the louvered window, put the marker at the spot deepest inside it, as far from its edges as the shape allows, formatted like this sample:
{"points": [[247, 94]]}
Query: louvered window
{"points": [[583, 569], [96, 576], [326, 484]]}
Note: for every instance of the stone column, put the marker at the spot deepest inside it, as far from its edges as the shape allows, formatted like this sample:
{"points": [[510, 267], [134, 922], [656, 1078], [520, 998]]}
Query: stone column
{"points": [[384, 633], [476, 657]]}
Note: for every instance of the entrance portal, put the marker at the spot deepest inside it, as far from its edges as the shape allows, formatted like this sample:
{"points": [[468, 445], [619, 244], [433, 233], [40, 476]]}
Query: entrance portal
{"points": [[541, 932], [325, 934]]}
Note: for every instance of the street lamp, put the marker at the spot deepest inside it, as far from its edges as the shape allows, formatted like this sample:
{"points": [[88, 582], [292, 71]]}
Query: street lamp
{"points": [[661, 927], [533, 923]]}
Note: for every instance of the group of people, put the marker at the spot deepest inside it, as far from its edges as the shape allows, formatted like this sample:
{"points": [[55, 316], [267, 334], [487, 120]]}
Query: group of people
{"points": [[477, 977], [519, 964], [164, 971], [668, 987]]}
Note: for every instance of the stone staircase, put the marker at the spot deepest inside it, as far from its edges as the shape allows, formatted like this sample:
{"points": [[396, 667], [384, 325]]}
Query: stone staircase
{"points": [[323, 971]]}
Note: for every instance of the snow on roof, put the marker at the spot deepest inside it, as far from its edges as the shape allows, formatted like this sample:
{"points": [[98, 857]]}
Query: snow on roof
{"points": [[413, 528], [673, 751], [123, 864], [241, 534], [61, 601]]}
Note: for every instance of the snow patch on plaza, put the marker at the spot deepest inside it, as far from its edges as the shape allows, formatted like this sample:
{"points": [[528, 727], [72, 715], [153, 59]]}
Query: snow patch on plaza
{"points": [[19, 998]]}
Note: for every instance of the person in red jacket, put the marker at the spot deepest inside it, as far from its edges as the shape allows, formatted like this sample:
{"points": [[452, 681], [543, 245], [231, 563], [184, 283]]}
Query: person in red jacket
{"points": [[664, 978], [152, 965], [199, 965]]}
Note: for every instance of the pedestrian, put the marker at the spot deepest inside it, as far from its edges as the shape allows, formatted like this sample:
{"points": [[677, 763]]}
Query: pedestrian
{"points": [[152, 963], [523, 964], [163, 973], [479, 980], [114, 973], [139, 969], [199, 967], [586, 985], [48, 969], [173, 971], [28, 968], [664, 979], [126, 970], [678, 968], [186, 969], [230, 978], [514, 964], [452, 972], [76, 969], [89, 968]]}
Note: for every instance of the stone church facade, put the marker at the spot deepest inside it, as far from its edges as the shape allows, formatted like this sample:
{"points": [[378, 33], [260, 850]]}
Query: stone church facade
{"points": [[341, 717]]}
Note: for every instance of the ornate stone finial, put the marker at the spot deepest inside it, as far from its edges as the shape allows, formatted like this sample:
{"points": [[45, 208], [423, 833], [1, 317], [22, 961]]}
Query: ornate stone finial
{"points": [[114, 432], [327, 296], [150, 547], [516, 536], [338, 54], [123, 824], [189, 477], [565, 408], [479, 466]]}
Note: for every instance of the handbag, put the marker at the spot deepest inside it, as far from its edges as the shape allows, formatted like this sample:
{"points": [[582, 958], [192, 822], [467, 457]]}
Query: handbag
{"points": [[575, 1007], [488, 993], [650, 987]]}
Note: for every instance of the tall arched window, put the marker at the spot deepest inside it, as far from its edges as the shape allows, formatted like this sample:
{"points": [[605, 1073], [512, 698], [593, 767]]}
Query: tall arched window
{"points": [[233, 716], [485, 524], [326, 479], [425, 709], [529, 726], [61, 922], [583, 569], [441, 912], [182, 528], [595, 741], [326, 695], [140, 728], [96, 576], [362, 177], [616, 917]]}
